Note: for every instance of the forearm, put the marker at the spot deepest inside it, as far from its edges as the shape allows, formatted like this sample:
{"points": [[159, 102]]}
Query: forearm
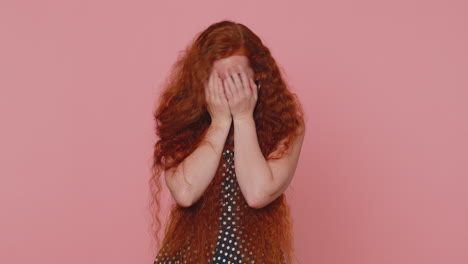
{"points": [[252, 170], [200, 166]]}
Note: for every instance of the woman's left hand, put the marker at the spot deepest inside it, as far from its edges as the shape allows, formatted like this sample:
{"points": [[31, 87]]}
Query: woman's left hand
{"points": [[241, 93]]}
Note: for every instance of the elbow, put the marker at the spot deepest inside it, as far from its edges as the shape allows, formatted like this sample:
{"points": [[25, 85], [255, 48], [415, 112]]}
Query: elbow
{"points": [[261, 199], [181, 196], [184, 203], [260, 195], [181, 193], [256, 205], [256, 201], [185, 199]]}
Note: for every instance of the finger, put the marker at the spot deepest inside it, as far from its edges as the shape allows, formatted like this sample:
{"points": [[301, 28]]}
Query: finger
{"points": [[209, 91], [219, 93], [245, 81], [227, 90], [237, 81], [213, 86], [254, 89], [221, 89], [230, 82]]}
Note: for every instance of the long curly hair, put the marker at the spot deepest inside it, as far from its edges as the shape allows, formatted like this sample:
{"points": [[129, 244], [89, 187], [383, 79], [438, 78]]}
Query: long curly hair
{"points": [[182, 119]]}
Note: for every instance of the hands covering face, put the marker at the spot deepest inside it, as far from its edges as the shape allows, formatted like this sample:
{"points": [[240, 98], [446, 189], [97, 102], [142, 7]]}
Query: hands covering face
{"points": [[240, 92]]}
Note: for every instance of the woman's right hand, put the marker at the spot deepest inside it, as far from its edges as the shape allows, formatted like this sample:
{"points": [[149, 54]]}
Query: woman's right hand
{"points": [[216, 100]]}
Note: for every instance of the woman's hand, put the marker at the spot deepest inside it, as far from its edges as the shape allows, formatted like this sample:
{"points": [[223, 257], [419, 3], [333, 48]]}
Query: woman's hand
{"points": [[241, 93], [216, 100]]}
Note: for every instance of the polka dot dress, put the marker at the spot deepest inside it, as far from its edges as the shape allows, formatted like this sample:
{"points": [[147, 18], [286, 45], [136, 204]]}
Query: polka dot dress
{"points": [[227, 248]]}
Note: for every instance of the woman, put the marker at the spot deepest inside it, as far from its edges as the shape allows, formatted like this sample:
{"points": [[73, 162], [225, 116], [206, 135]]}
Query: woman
{"points": [[226, 88]]}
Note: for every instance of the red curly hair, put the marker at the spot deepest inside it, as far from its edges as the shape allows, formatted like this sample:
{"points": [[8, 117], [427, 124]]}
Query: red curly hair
{"points": [[181, 122]]}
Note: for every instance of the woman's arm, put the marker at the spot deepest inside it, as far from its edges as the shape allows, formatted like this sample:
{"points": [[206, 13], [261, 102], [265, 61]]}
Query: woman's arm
{"points": [[261, 181], [188, 181]]}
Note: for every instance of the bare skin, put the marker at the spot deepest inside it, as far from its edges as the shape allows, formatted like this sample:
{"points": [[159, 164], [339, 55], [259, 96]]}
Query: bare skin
{"points": [[188, 181], [231, 95]]}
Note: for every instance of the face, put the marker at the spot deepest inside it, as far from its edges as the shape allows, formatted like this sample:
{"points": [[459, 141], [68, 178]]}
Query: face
{"points": [[222, 65]]}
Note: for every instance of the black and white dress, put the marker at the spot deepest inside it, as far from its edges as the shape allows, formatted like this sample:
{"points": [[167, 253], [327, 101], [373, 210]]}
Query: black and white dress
{"points": [[227, 248], [230, 236]]}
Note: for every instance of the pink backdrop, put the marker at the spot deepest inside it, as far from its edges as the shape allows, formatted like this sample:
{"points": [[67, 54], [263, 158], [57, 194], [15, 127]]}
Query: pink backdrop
{"points": [[382, 175]]}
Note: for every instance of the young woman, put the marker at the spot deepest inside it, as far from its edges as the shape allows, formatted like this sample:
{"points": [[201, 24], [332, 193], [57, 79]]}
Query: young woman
{"points": [[226, 88]]}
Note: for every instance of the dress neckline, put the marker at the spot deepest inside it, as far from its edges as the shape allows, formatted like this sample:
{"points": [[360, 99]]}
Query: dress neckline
{"points": [[229, 144], [230, 139]]}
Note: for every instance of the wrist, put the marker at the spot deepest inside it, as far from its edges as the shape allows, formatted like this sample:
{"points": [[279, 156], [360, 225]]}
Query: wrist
{"points": [[242, 119], [224, 123]]}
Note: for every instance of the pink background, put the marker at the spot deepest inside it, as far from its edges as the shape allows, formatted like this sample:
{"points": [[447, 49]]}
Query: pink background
{"points": [[383, 173]]}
